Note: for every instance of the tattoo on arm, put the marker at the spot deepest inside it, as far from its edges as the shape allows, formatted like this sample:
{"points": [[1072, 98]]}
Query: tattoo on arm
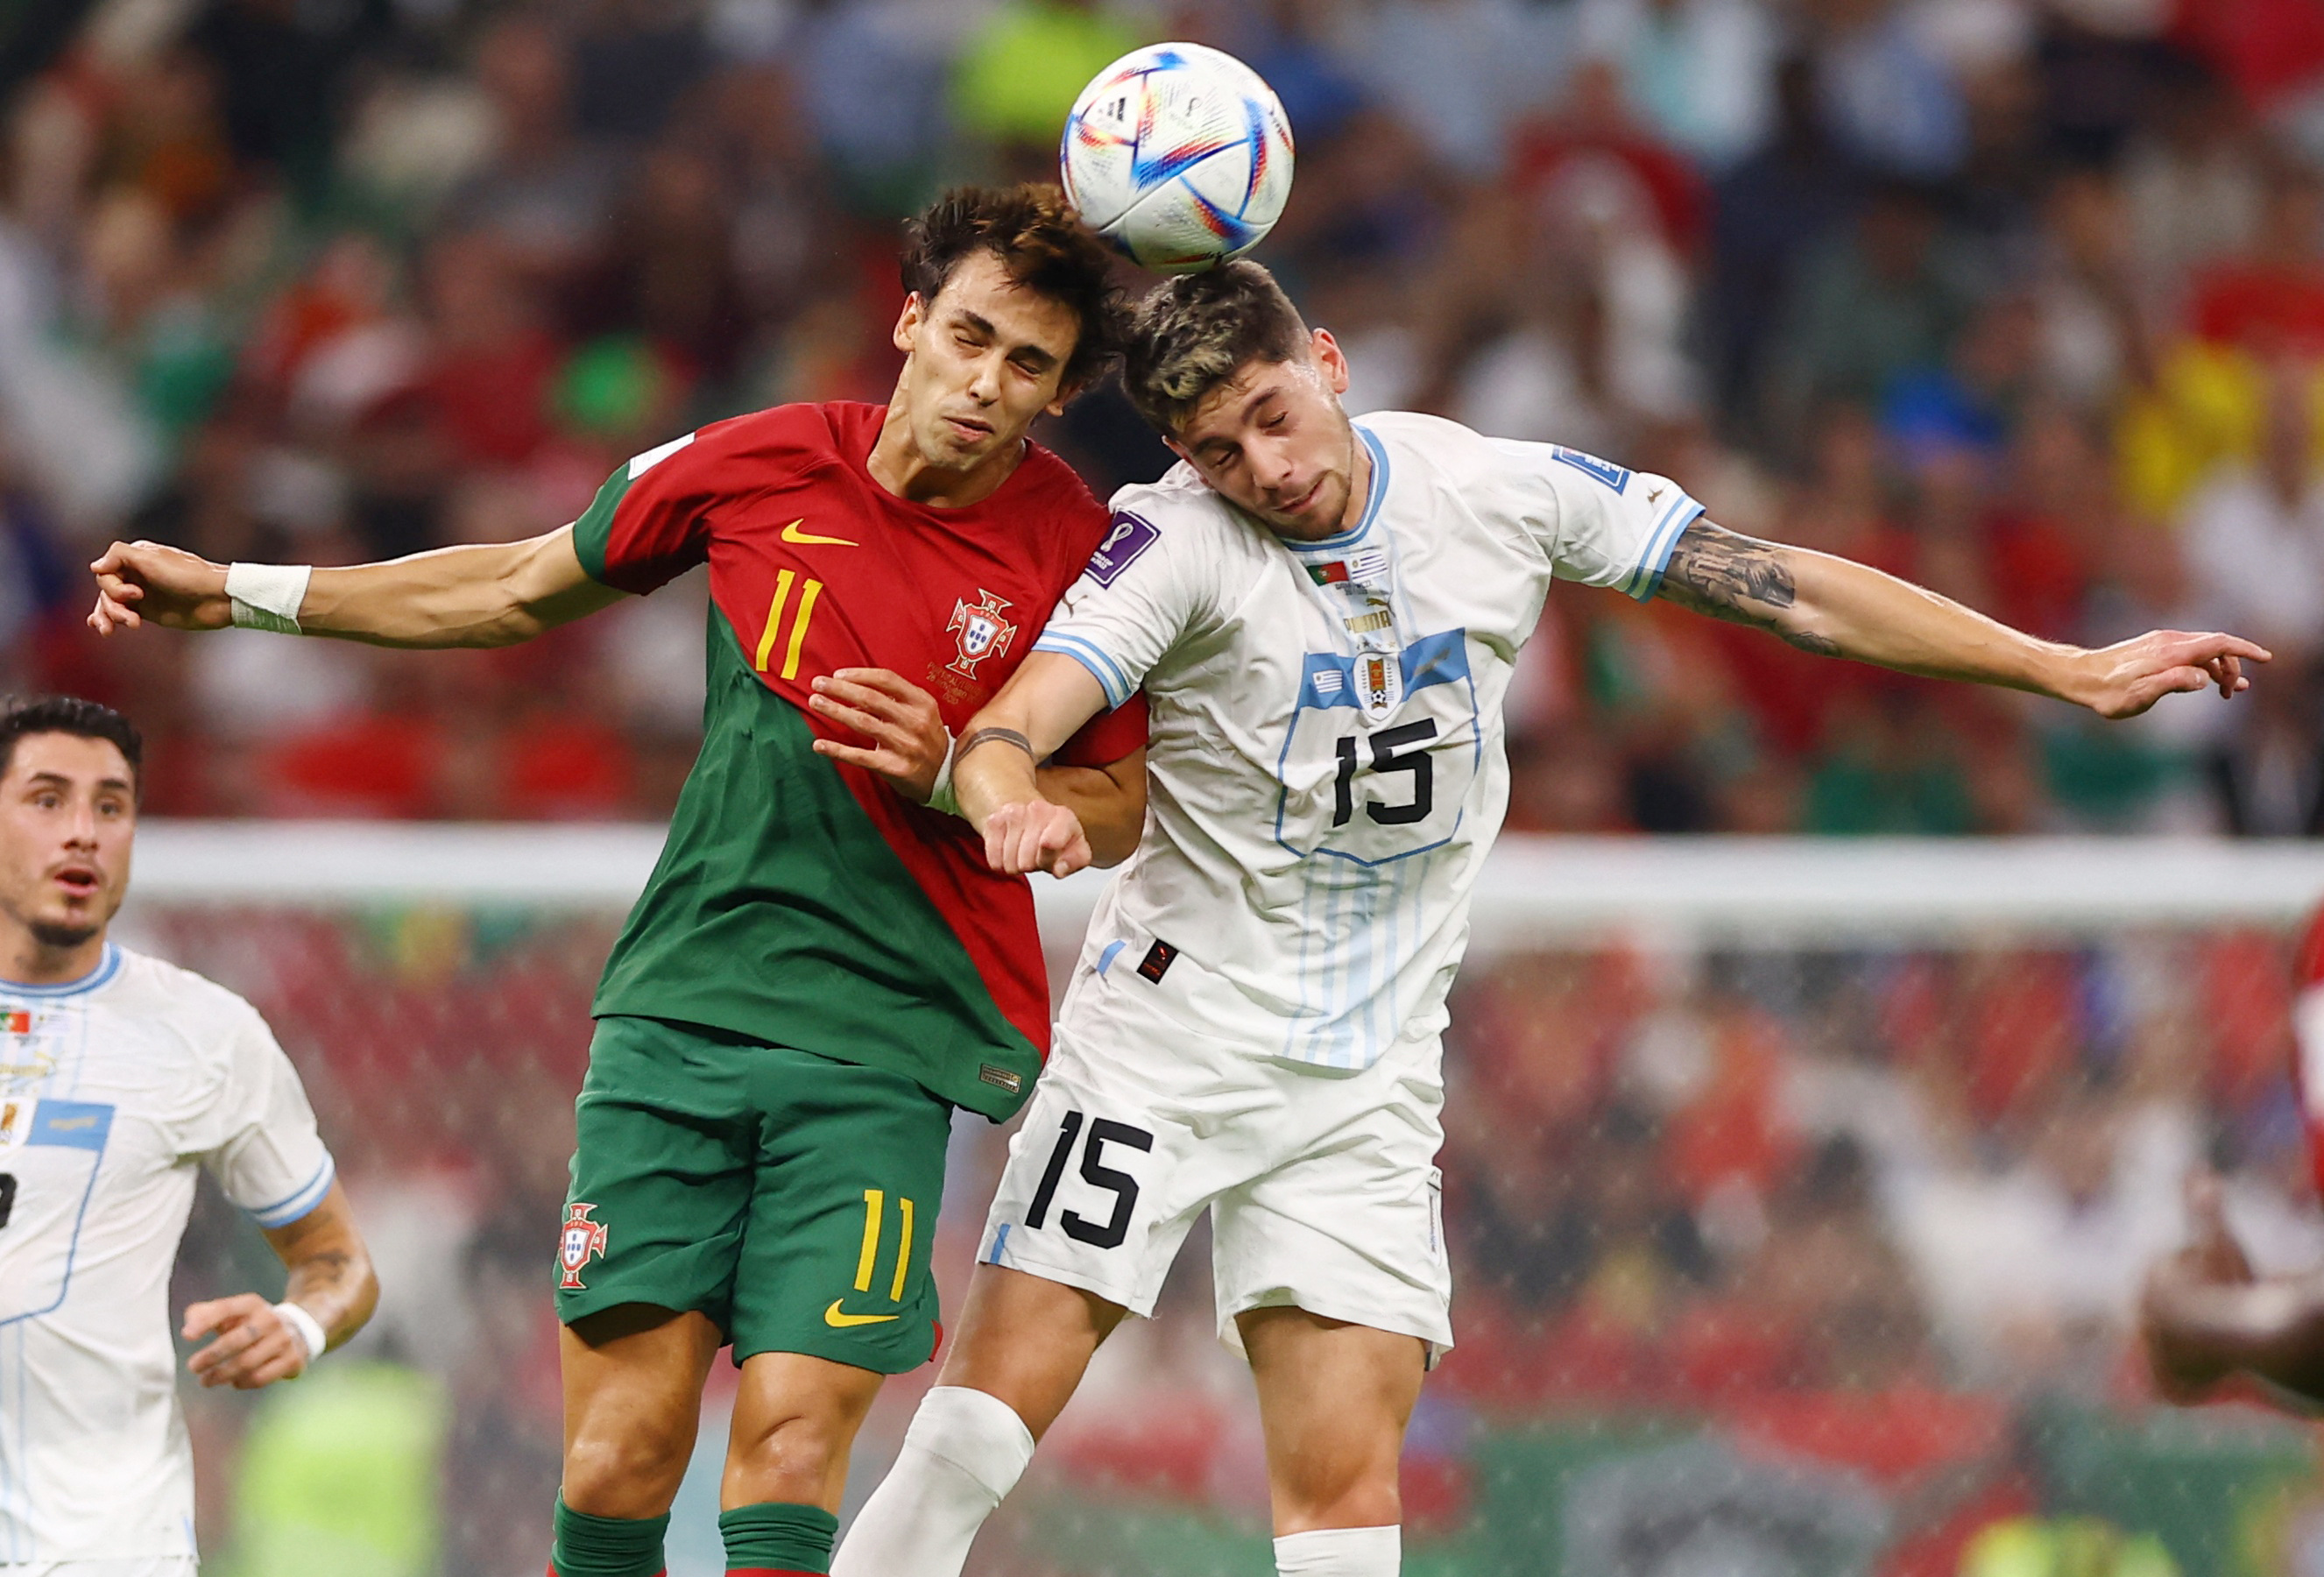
{"points": [[990, 736], [1739, 579], [327, 1268]]}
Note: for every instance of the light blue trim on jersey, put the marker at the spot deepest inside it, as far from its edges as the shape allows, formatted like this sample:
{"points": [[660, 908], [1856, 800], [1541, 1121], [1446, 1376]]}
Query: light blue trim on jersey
{"points": [[107, 968], [1372, 497], [1000, 1237], [1105, 959], [1646, 579], [1108, 673], [74, 1125], [299, 1205]]}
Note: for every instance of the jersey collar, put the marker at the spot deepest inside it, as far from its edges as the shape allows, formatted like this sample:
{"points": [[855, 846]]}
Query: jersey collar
{"points": [[107, 968], [1356, 533]]}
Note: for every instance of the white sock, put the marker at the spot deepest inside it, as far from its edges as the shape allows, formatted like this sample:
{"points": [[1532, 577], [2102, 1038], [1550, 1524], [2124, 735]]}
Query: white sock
{"points": [[1339, 1552], [964, 1451]]}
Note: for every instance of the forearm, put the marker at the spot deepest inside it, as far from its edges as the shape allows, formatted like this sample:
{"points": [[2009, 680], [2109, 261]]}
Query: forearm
{"points": [[1109, 802], [331, 1276], [1837, 608], [2274, 1330], [1040, 708], [484, 594]]}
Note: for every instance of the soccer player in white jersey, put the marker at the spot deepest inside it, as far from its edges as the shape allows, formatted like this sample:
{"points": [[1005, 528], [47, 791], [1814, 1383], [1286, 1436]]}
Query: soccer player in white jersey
{"points": [[1323, 615], [119, 1075]]}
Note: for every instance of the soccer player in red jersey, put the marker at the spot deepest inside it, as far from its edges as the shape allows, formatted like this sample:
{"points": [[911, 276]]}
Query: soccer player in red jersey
{"points": [[822, 966]]}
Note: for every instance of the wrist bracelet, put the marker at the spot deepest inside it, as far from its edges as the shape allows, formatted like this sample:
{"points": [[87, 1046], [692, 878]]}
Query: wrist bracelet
{"points": [[309, 1329], [941, 796], [267, 597]]}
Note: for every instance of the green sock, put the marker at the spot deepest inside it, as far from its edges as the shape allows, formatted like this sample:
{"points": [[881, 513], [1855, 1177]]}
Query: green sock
{"points": [[776, 1536], [606, 1546]]}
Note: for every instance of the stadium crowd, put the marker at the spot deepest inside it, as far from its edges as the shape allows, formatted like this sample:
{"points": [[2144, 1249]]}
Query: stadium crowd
{"points": [[2021, 300]]}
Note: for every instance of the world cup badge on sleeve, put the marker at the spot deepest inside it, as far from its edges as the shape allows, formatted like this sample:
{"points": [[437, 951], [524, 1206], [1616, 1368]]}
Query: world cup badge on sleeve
{"points": [[581, 1240]]}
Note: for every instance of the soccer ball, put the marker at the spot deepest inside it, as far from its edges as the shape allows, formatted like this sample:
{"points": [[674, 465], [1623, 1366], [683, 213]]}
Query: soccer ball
{"points": [[1179, 155]]}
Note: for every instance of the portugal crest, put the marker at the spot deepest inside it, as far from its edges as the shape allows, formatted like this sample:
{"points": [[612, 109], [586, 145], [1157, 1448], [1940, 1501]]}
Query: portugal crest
{"points": [[581, 1240], [979, 631]]}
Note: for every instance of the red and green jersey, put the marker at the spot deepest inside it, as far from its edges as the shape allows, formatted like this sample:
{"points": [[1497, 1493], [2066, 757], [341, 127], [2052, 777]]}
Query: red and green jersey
{"points": [[800, 902]]}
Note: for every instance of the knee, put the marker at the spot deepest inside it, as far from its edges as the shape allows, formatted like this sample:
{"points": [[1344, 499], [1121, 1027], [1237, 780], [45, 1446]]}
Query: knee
{"points": [[1349, 1489], [798, 1459], [628, 1472]]}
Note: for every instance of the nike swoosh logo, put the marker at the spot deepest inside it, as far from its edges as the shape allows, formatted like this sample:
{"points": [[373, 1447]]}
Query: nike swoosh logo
{"points": [[791, 533], [834, 1316]]}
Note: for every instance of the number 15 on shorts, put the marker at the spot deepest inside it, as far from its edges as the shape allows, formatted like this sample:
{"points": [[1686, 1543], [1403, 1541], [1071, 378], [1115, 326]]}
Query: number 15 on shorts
{"points": [[1114, 1230]]}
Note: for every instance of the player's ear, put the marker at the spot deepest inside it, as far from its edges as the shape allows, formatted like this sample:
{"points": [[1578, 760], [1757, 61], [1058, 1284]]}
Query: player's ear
{"points": [[1330, 359], [1067, 393], [908, 322]]}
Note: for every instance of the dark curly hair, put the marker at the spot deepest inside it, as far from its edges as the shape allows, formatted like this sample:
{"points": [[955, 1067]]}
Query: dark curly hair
{"points": [[20, 717], [1195, 331], [1044, 247]]}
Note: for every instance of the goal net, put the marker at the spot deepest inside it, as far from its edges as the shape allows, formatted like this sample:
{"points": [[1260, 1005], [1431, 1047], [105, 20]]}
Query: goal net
{"points": [[1798, 1195]]}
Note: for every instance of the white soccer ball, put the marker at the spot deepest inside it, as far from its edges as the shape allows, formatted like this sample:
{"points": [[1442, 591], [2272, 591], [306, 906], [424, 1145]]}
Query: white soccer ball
{"points": [[1178, 154]]}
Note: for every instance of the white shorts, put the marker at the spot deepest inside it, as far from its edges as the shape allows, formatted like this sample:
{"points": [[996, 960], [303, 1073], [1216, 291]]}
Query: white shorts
{"points": [[1322, 1182]]}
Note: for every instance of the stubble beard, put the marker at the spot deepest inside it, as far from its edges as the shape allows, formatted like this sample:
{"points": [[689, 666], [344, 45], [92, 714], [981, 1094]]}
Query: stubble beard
{"points": [[60, 936]]}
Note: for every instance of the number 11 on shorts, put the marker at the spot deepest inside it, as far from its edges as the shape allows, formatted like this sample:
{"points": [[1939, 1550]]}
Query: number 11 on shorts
{"points": [[867, 1263]]}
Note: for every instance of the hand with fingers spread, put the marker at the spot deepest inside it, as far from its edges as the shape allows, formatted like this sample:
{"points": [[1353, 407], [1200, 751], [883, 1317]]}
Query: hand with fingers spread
{"points": [[2126, 679], [1035, 835], [253, 1345], [178, 590], [907, 734]]}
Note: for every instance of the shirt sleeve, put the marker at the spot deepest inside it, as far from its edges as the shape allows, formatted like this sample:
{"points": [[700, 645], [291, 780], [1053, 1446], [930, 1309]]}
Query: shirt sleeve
{"points": [[1145, 587], [268, 1155], [646, 525], [1600, 523], [1107, 737]]}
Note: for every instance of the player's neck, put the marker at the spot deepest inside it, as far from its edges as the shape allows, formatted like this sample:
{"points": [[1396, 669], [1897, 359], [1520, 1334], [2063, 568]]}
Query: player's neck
{"points": [[26, 960], [897, 464]]}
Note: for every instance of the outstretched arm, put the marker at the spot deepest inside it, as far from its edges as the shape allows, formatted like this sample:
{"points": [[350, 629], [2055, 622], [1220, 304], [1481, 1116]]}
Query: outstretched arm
{"points": [[1837, 608], [492, 594], [995, 768], [330, 1277], [2206, 1317]]}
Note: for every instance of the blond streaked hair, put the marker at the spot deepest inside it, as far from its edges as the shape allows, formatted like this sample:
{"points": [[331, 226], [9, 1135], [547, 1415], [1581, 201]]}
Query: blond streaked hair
{"points": [[1195, 331]]}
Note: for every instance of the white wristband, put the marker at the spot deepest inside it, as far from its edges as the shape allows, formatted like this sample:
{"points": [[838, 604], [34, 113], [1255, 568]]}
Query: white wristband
{"points": [[940, 796], [267, 597], [308, 1328]]}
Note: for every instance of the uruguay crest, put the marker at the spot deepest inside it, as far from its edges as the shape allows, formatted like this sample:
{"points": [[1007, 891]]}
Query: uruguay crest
{"points": [[979, 631], [581, 1240], [1379, 683]]}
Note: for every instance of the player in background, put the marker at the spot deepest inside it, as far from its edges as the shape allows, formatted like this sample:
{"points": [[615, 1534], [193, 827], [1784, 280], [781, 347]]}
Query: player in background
{"points": [[821, 967], [1323, 616], [2206, 1316], [120, 1077]]}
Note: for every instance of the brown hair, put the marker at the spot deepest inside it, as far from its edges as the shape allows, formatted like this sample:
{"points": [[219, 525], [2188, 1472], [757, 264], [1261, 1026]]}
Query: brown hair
{"points": [[1043, 247], [1193, 332], [21, 718]]}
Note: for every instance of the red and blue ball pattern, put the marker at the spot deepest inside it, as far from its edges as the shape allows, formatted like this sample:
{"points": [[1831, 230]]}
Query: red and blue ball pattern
{"points": [[1178, 154]]}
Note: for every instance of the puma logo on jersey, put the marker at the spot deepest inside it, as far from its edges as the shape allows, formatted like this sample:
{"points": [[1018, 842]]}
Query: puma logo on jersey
{"points": [[793, 535], [839, 1319]]}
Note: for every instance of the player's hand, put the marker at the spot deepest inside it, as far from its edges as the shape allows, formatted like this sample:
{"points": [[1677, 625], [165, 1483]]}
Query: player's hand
{"points": [[1035, 835], [907, 731], [137, 581], [2126, 679], [2182, 1362], [253, 1346]]}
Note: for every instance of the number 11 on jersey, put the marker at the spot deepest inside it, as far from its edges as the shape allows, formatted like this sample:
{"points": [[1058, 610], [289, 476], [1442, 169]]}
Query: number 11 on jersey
{"points": [[808, 591]]}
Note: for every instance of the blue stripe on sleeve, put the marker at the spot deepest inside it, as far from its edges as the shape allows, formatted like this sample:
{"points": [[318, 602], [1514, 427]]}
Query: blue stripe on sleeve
{"points": [[1647, 578], [1108, 673], [303, 1203]]}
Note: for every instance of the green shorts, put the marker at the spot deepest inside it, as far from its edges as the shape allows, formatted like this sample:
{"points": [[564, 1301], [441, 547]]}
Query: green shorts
{"points": [[789, 1197]]}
